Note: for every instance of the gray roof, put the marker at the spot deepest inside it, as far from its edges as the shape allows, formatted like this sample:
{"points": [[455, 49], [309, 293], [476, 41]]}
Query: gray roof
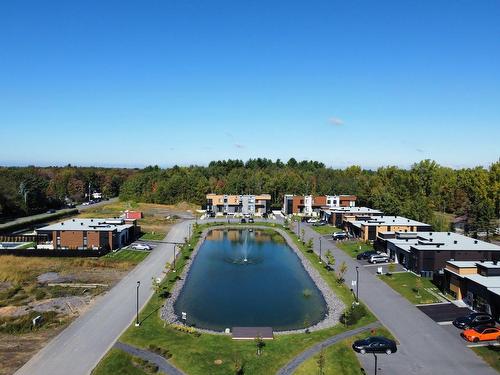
{"points": [[352, 210], [393, 220], [103, 225], [444, 241], [488, 282]]}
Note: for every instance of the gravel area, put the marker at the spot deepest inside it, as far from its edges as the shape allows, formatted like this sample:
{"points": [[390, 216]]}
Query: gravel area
{"points": [[334, 305]]}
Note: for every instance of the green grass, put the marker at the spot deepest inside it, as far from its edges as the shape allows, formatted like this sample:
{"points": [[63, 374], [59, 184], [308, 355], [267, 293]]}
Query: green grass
{"points": [[118, 362], [326, 229], [134, 256], [353, 248], [340, 359], [404, 284], [155, 236], [196, 354], [490, 354]]}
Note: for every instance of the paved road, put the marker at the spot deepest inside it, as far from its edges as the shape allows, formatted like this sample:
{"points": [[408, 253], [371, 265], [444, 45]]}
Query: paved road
{"points": [[426, 348], [79, 348], [291, 366]]}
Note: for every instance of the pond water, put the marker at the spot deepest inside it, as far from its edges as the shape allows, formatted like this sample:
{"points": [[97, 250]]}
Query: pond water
{"points": [[249, 278]]}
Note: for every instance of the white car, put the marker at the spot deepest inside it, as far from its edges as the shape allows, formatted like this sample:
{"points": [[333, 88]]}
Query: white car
{"points": [[379, 258], [312, 220], [141, 246]]}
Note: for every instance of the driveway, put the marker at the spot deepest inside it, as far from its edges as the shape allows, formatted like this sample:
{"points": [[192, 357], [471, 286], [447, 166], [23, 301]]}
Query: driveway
{"points": [[79, 348], [426, 348]]}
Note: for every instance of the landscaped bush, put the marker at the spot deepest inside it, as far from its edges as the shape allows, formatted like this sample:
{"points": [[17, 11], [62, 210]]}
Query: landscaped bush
{"points": [[186, 329], [353, 314], [160, 351]]}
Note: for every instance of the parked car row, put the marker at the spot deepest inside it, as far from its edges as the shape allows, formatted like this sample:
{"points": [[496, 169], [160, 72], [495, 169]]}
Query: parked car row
{"points": [[478, 326]]}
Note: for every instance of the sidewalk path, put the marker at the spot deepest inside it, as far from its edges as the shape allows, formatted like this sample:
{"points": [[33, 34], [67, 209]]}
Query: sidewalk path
{"points": [[291, 366], [163, 365]]}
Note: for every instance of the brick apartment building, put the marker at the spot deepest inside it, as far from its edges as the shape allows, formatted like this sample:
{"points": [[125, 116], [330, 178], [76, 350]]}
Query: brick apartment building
{"points": [[368, 228], [234, 204], [337, 216], [310, 205], [426, 253], [477, 283], [80, 234]]}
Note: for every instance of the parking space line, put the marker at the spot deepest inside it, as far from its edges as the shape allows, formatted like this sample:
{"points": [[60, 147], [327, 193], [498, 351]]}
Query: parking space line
{"points": [[448, 323]]}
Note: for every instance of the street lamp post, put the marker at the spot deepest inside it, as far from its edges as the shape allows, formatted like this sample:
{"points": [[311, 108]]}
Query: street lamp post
{"points": [[174, 258], [320, 250], [357, 285], [137, 324]]}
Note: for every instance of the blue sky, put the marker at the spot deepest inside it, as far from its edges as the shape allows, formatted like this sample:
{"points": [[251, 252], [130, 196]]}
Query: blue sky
{"points": [[181, 82]]}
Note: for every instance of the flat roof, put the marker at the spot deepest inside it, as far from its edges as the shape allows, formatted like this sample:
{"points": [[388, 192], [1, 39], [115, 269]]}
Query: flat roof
{"points": [[486, 281], [97, 224], [354, 210], [251, 333], [392, 220], [463, 263], [443, 241], [495, 291]]}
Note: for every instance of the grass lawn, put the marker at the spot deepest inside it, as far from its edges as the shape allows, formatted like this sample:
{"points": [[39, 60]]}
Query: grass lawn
{"points": [[196, 355], [155, 236], [119, 362], [490, 354], [353, 248], [404, 283], [340, 359], [135, 256], [326, 229]]}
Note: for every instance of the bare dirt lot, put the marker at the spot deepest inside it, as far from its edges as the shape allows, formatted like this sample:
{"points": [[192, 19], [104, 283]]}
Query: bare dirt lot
{"points": [[58, 289], [61, 289]]}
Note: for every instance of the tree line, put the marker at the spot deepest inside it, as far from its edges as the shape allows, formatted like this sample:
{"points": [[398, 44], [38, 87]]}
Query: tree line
{"points": [[30, 190], [419, 192]]}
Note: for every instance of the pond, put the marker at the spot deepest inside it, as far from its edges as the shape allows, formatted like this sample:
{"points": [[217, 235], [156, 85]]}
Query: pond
{"points": [[248, 278]]}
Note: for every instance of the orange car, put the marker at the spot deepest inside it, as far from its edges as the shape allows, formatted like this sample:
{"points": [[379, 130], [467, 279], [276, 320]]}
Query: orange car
{"points": [[481, 333]]}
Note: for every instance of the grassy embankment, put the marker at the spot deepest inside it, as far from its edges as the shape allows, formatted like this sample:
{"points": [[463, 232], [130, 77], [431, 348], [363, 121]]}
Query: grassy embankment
{"points": [[200, 353]]}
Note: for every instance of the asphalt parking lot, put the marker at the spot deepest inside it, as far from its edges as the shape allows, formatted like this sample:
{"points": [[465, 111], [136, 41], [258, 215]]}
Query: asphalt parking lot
{"points": [[444, 312]]}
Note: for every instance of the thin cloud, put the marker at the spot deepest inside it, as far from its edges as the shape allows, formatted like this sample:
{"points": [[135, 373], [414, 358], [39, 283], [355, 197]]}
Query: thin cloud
{"points": [[239, 145], [335, 121], [419, 150]]}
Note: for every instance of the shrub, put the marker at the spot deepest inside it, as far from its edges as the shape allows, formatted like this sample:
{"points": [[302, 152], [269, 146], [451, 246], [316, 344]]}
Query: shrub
{"points": [[353, 314]]}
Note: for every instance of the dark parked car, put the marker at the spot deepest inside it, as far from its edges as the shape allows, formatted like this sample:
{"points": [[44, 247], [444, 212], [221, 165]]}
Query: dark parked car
{"points": [[265, 215], [474, 320], [51, 211], [366, 255], [340, 236], [375, 344], [211, 214], [319, 223], [243, 221]]}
